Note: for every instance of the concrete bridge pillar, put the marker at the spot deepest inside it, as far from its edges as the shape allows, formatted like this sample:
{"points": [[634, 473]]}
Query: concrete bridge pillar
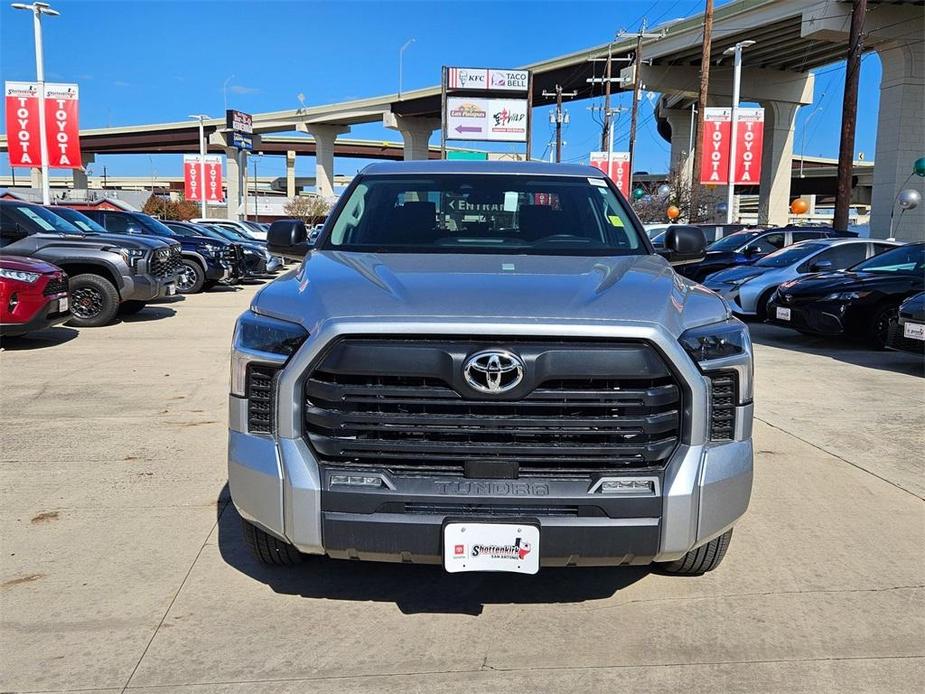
{"points": [[79, 176], [35, 178], [235, 161], [290, 174], [682, 160], [900, 135], [776, 162], [324, 136], [415, 133]]}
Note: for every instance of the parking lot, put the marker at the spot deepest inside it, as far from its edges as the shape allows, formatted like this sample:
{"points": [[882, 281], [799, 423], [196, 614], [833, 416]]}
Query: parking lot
{"points": [[123, 565]]}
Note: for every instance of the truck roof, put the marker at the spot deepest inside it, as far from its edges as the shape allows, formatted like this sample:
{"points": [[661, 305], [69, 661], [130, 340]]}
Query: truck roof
{"points": [[437, 166]]}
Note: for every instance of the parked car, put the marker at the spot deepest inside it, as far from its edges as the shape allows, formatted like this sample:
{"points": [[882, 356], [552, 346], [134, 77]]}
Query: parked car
{"points": [[248, 231], [108, 275], [745, 247], [33, 295], [748, 288], [527, 385], [862, 301], [909, 331], [257, 261], [232, 253], [204, 262]]}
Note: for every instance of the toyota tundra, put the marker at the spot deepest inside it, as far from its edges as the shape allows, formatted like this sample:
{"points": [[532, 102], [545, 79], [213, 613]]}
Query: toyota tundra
{"points": [[487, 366]]}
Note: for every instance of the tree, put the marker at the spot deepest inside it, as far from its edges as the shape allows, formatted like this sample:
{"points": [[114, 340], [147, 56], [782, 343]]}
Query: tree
{"points": [[311, 209], [652, 208], [165, 208]]}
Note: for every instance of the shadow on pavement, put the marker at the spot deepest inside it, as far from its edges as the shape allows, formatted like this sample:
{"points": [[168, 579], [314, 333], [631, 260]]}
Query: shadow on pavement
{"points": [[175, 299], [41, 339], [417, 589], [149, 313], [841, 349]]}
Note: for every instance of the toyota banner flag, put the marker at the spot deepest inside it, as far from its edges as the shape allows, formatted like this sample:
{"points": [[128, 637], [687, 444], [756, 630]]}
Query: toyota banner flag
{"points": [[62, 132], [192, 178], [619, 169], [717, 136]]}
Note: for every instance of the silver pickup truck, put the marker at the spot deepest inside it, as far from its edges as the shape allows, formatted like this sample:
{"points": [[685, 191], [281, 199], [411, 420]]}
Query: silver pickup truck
{"points": [[487, 366]]}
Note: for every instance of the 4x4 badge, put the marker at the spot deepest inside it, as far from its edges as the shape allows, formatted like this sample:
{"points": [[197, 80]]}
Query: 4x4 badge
{"points": [[494, 371]]}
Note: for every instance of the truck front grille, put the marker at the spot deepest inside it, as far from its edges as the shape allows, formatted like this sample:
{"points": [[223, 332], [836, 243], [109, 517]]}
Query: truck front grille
{"points": [[723, 398], [401, 404], [165, 262], [261, 398]]}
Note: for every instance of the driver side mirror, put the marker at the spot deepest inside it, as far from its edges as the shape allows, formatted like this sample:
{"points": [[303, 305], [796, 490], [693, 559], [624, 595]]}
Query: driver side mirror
{"points": [[684, 244], [822, 266], [751, 251], [288, 238]]}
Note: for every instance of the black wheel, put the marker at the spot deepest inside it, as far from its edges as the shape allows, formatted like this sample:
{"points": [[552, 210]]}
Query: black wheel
{"points": [[268, 549], [878, 333], [761, 308], [701, 559], [94, 301], [130, 308], [191, 277]]}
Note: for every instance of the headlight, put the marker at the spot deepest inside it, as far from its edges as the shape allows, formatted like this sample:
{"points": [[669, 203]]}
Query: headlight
{"points": [[845, 296], [262, 339], [20, 275], [211, 249], [129, 255], [722, 346]]}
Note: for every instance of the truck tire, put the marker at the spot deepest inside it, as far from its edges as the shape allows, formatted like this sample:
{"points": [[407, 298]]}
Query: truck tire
{"points": [[191, 277], [131, 307], [878, 331], [700, 559], [268, 549], [94, 301]]}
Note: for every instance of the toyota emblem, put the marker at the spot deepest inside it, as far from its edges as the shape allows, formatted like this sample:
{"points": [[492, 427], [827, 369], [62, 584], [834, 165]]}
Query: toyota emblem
{"points": [[494, 371]]}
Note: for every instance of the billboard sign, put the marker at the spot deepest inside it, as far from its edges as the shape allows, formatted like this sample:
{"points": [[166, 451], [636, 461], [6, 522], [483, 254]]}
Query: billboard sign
{"points": [[717, 137], [193, 183], [239, 121], [242, 141], [498, 120], [22, 123], [62, 132], [487, 79], [618, 169]]}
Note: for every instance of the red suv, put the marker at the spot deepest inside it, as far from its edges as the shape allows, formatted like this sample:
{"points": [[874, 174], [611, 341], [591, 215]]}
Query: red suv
{"points": [[33, 295]]}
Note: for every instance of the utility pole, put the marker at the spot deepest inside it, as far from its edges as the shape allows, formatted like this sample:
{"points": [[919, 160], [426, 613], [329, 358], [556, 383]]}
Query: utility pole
{"points": [[560, 116], [607, 80], [701, 106], [849, 115], [637, 89]]}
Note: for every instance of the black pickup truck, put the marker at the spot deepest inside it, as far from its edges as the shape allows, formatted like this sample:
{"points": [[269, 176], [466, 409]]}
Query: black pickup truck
{"points": [[108, 274]]}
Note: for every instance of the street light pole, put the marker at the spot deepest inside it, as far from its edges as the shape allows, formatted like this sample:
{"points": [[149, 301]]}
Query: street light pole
{"points": [[736, 81], [202, 163], [401, 63], [38, 9]]}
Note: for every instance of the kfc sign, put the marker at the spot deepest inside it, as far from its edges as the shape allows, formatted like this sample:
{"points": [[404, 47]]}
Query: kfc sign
{"points": [[22, 124], [61, 132], [194, 183], [618, 169], [717, 137]]}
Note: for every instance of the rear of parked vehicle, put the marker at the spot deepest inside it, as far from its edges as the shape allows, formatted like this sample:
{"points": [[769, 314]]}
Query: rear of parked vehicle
{"points": [[33, 295]]}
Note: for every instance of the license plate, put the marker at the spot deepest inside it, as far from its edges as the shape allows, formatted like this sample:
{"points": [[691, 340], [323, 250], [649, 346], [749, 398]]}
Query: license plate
{"points": [[914, 331], [171, 289], [62, 305], [783, 313], [512, 547]]}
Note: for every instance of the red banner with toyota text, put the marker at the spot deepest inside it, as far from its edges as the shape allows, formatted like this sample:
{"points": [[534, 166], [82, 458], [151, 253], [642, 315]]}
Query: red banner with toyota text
{"points": [[193, 182], [717, 128], [62, 133], [22, 124], [618, 168], [749, 142]]}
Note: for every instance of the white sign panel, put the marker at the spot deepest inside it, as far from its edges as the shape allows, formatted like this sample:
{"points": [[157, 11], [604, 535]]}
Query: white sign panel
{"points": [[499, 120], [482, 79]]}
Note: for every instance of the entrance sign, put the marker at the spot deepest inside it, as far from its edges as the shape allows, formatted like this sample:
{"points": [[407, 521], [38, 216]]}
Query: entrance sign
{"points": [[473, 109], [193, 187], [498, 120], [241, 126], [618, 169], [61, 126], [717, 136], [22, 123]]}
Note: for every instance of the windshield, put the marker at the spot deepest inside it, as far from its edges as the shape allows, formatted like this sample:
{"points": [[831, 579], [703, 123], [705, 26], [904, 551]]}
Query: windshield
{"points": [[152, 225], [40, 219], [80, 220], [232, 233], [790, 255], [732, 242], [498, 214], [225, 233], [905, 260]]}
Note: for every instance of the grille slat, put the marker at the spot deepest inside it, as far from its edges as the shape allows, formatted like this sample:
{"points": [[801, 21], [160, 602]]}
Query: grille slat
{"points": [[165, 262], [261, 398], [723, 398], [414, 419], [56, 285]]}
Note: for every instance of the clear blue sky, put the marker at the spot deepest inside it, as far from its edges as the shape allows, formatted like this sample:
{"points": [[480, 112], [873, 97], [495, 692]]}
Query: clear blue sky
{"points": [[143, 62]]}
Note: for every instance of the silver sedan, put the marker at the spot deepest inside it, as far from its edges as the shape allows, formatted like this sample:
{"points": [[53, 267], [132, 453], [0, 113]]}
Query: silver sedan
{"points": [[747, 288]]}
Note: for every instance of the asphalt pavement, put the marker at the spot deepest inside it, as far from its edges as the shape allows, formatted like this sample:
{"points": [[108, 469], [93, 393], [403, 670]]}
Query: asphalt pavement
{"points": [[123, 566]]}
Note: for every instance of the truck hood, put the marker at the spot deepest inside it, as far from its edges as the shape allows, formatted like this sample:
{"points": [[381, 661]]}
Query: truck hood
{"points": [[333, 285], [131, 241]]}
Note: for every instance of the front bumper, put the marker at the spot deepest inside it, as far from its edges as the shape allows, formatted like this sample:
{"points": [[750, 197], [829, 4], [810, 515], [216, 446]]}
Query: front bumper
{"points": [[146, 287], [820, 317], [47, 316]]}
